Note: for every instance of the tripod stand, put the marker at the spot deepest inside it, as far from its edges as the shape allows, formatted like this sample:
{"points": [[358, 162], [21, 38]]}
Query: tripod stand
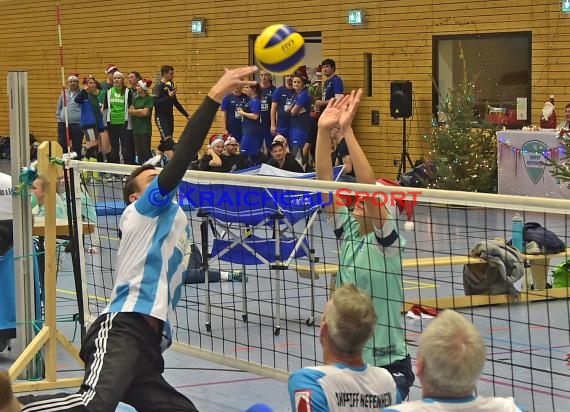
{"points": [[405, 155]]}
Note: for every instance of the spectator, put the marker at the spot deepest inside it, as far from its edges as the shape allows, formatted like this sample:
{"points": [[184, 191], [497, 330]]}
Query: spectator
{"points": [[211, 161], [133, 78], [232, 160], [281, 104], [73, 116], [252, 133], [341, 157], [267, 90], [333, 85], [280, 138], [451, 357], [103, 88], [345, 382], [283, 160], [117, 104], [38, 192], [164, 101], [141, 113], [231, 118], [371, 250], [91, 121], [300, 108], [108, 83]]}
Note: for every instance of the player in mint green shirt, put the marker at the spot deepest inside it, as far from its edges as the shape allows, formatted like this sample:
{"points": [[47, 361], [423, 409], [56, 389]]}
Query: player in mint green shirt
{"points": [[371, 251]]}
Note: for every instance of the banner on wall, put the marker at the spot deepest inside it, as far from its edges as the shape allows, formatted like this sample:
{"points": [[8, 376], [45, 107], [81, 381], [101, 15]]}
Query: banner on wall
{"points": [[522, 164]]}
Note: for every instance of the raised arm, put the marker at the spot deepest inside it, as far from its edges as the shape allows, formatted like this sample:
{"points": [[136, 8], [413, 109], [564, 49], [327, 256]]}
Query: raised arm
{"points": [[361, 166], [198, 126], [329, 120]]}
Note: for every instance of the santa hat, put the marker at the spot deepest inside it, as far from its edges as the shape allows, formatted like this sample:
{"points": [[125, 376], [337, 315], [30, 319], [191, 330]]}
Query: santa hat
{"points": [[406, 206], [318, 70], [230, 140], [215, 139], [302, 71], [73, 77], [111, 68], [145, 84]]}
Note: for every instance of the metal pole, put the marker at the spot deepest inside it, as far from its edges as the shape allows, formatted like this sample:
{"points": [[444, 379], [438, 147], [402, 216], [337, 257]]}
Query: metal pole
{"points": [[23, 249]]}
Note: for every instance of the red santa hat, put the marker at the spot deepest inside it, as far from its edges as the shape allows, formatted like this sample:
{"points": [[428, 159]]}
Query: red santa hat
{"points": [[406, 206], [111, 68], [145, 84], [215, 139], [73, 77]]}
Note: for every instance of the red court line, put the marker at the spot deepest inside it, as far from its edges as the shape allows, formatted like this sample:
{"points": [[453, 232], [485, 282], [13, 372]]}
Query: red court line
{"points": [[193, 385], [525, 350], [505, 328], [525, 388], [280, 345]]}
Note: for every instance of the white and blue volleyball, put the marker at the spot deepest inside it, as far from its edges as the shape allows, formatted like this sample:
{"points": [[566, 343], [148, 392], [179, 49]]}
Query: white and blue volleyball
{"points": [[279, 49]]}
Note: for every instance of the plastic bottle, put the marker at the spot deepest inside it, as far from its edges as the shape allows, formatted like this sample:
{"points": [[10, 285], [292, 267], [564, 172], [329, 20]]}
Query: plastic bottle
{"points": [[517, 230]]}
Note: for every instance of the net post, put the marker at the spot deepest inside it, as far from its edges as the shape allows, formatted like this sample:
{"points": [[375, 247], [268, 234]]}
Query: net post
{"points": [[24, 267]]}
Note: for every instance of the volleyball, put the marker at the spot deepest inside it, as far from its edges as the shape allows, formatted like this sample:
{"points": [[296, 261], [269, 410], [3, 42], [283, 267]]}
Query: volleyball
{"points": [[279, 49]]}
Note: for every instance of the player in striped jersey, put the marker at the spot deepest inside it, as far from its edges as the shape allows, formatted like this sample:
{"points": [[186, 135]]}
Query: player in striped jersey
{"points": [[123, 348], [451, 356], [345, 382]]}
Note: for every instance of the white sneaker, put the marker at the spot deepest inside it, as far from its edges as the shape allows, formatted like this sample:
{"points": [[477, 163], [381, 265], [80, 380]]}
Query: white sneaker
{"points": [[532, 248]]}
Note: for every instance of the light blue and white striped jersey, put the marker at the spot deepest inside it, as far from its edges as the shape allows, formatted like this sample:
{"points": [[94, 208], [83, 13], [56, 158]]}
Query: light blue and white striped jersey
{"points": [[338, 387], [152, 258]]}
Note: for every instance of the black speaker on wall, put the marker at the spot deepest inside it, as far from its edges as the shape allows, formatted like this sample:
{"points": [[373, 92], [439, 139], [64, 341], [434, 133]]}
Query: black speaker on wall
{"points": [[401, 99]]}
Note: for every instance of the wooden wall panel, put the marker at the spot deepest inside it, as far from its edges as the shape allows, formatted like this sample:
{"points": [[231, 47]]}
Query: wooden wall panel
{"points": [[398, 33]]}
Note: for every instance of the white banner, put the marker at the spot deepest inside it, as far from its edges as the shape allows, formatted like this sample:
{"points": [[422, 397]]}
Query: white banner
{"points": [[521, 158]]}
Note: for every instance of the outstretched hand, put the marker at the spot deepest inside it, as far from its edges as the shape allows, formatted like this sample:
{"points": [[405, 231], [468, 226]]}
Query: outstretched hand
{"points": [[340, 112], [330, 117], [349, 110], [232, 79]]}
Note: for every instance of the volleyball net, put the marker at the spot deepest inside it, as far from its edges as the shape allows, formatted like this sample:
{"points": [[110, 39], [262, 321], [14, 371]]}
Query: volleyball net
{"points": [[265, 261]]}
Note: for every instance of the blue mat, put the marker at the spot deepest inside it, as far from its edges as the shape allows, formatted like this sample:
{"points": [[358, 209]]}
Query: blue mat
{"points": [[116, 207]]}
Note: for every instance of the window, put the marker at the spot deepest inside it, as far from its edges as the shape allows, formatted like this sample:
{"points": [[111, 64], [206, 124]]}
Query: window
{"points": [[498, 64]]}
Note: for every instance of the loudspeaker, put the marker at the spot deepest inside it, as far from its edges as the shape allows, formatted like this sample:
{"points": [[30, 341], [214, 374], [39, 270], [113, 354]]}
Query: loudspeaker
{"points": [[401, 99]]}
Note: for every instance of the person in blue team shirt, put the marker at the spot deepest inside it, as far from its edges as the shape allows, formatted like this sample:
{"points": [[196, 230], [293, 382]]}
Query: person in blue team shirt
{"points": [[451, 356], [333, 85], [122, 349], [231, 119], [252, 138], [267, 90], [300, 109], [345, 382], [281, 104]]}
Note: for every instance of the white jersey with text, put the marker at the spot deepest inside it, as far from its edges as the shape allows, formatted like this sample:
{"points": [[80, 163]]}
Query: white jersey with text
{"points": [[5, 196], [336, 388], [469, 403]]}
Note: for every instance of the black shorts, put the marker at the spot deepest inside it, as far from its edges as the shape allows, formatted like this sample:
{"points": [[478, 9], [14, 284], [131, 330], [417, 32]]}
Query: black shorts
{"points": [[166, 145], [165, 126]]}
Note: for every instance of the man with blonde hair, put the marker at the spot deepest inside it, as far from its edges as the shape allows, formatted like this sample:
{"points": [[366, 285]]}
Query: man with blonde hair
{"points": [[345, 382], [450, 359]]}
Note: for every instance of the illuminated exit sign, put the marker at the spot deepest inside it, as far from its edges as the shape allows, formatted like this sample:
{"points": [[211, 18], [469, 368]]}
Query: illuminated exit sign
{"points": [[565, 6]]}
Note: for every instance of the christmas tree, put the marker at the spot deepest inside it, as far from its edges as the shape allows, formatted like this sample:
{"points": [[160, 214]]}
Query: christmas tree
{"points": [[560, 167], [463, 148]]}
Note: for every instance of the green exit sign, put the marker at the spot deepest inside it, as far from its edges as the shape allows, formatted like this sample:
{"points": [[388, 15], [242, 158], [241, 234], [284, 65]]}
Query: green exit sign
{"points": [[565, 6], [356, 17]]}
